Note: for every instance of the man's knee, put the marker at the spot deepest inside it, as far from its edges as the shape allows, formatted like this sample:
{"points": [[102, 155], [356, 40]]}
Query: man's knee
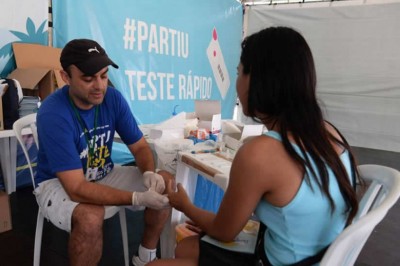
{"points": [[168, 177], [88, 218]]}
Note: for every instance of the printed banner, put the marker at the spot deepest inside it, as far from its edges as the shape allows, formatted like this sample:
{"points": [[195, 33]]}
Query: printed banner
{"points": [[169, 54], [21, 21]]}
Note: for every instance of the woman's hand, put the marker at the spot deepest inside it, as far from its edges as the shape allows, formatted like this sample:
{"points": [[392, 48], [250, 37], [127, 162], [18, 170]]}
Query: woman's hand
{"points": [[179, 199]]}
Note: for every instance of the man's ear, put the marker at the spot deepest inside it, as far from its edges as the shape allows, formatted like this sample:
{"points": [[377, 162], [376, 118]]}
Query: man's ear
{"points": [[65, 77]]}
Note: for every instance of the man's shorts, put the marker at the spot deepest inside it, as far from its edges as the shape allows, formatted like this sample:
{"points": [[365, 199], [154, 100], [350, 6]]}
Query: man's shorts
{"points": [[57, 207]]}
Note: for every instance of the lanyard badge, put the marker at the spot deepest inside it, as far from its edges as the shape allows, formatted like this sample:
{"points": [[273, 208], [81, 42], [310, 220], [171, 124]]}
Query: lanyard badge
{"points": [[91, 171]]}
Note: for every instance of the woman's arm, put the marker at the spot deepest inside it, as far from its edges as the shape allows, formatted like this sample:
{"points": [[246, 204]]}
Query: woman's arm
{"points": [[247, 184]]}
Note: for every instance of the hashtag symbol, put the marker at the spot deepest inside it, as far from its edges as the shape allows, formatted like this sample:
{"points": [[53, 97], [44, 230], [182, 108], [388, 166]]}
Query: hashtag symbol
{"points": [[129, 38]]}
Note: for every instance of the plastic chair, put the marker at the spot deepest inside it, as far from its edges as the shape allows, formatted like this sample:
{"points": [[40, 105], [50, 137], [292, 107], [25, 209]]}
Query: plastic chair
{"points": [[110, 211], [382, 194]]}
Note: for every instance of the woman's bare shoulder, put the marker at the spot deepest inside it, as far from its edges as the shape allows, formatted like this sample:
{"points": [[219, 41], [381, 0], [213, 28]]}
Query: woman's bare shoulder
{"points": [[260, 154], [260, 145], [333, 131], [268, 169]]}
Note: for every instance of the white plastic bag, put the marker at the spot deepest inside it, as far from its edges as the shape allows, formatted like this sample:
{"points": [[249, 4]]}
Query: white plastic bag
{"points": [[167, 152]]}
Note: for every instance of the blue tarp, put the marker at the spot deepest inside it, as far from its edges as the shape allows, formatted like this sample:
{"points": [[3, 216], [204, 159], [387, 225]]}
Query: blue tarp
{"points": [[208, 195], [23, 176]]}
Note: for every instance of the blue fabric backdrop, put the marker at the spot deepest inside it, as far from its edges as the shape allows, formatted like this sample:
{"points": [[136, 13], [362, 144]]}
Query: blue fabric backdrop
{"points": [[167, 51]]}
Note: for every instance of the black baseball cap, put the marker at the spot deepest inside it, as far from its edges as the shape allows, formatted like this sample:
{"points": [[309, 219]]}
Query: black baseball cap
{"points": [[85, 54]]}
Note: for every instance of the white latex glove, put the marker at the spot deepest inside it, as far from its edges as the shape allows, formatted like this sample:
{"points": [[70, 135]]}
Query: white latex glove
{"points": [[154, 181], [150, 199]]}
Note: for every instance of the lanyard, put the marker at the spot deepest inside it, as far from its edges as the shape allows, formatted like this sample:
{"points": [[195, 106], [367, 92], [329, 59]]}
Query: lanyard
{"points": [[91, 144]]}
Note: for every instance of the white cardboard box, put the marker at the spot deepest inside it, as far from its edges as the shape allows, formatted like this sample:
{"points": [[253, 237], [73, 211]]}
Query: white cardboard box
{"points": [[209, 114], [234, 133]]}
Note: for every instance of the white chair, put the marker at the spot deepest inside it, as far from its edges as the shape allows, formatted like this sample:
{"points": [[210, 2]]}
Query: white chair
{"points": [[382, 194], [110, 211]]}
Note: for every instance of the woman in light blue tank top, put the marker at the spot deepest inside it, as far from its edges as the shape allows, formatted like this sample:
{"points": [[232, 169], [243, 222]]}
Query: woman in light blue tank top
{"points": [[298, 178]]}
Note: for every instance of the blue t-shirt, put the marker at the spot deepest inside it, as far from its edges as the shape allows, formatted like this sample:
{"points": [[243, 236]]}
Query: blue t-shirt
{"points": [[62, 143], [306, 225]]}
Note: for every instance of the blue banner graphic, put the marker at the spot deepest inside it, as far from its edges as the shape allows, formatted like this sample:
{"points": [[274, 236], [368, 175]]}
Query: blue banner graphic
{"points": [[169, 53], [22, 21]]}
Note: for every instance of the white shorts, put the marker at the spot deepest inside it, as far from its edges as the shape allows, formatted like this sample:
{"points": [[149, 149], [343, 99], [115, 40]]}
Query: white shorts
{"points": [[57, 207]]}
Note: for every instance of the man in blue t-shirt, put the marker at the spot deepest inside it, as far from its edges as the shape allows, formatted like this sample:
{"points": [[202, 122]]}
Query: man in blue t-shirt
{"points": [[76, 175]]}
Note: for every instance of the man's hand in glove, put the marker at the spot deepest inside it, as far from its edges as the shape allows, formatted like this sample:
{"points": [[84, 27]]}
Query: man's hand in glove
{"points": [[154, 181], [150, 199]]}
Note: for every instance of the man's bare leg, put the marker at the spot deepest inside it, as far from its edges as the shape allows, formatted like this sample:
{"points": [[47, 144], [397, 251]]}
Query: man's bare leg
{"points": [[155, 220], [86, 240]]}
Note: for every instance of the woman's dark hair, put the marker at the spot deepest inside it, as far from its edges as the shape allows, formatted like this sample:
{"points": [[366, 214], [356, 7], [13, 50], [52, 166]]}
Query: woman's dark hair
{"points": [[283, 90]]}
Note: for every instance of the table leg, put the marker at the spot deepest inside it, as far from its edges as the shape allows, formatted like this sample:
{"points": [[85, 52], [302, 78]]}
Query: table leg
{"points": [[188, 178]]}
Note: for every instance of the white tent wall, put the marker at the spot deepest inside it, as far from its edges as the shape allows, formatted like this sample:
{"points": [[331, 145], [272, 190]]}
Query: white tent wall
{"points": [[356, 51]]}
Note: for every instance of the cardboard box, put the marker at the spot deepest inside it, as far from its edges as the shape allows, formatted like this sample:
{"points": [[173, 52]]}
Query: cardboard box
{"points": [[209, 114], [38, 69], [5, 213], [234, 133]]}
